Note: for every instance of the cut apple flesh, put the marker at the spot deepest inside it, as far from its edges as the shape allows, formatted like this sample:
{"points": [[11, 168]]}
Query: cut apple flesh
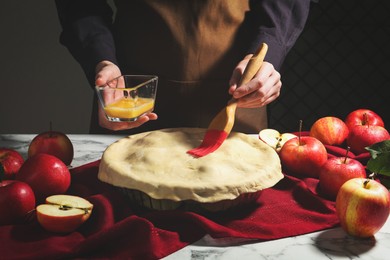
{"points": [[285, 137], [270, 137], [60, 211], [63, 213], [67, 202], [275, 139]]}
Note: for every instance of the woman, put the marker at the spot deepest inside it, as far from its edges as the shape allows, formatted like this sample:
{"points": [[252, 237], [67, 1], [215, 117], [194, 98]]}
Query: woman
{"points": [[198, 49]]}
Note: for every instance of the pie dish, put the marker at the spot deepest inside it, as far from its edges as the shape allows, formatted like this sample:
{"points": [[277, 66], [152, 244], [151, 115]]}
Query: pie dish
{"points": [[154, 169]]}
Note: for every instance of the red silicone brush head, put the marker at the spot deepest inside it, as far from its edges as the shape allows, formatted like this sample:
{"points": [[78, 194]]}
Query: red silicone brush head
{"points": [[211, 142]]}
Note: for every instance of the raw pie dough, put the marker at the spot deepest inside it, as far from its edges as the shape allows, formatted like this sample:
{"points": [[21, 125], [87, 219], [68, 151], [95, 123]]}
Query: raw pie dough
{"points": [[157, 164]]}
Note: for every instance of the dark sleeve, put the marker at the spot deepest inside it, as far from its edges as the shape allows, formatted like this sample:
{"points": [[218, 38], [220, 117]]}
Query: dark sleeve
{"points": [[278, 23], [86, 32]]}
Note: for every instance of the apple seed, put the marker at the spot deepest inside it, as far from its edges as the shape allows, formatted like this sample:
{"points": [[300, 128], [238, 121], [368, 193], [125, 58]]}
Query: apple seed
{"points": [[68, 207]]}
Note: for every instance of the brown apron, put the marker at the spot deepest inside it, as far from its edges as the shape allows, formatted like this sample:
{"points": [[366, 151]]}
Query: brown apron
{"points": [[193, 47]]}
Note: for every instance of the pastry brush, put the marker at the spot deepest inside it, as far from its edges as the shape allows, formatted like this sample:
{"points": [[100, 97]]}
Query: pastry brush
{"points": [[222, 124]]}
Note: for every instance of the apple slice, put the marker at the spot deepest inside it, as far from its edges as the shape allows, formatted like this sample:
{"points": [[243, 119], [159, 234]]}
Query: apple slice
{"points": [[275, 139], [63, 213]]}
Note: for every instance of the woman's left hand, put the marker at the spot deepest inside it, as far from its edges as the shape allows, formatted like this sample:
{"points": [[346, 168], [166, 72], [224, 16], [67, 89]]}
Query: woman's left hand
{"points": [[261, 90]]}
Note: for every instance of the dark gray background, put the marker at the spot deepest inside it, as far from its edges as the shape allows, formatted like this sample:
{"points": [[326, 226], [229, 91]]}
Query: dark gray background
{"points": [[340, 63], [40, 81]]}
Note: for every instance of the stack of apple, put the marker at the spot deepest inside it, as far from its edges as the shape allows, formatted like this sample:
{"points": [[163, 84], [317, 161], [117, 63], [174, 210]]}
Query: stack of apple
{"points": [[363, 205], [42, 178]]}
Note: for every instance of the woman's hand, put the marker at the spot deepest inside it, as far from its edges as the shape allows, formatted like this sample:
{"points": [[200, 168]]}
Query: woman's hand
{"points": [[106, 71], [261, 90]]}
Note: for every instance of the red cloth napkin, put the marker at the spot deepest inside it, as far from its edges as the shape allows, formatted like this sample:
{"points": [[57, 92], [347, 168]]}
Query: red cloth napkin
{"points": [[116, 230]]}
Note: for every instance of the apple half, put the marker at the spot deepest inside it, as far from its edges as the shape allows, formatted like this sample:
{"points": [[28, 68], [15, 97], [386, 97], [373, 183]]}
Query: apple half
{"points": [[63, 213], [274, 138]]}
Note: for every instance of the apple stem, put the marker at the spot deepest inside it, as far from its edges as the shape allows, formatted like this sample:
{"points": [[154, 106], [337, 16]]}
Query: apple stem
{"points": [[300, 130], [369, 178], [365, 119], [346, 154], [29, 216]]}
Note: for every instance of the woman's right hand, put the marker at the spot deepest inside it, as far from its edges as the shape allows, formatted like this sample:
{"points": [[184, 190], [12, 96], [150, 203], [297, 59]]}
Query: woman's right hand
{"points": [[106, 71]]}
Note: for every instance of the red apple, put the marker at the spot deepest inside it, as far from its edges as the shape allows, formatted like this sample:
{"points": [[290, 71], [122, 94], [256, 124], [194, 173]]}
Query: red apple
{"points": [[63, 213], [363, 117], [362, 206], [303, 155], [11, 161], [46, 174], [336, 171], [54, 143], [329, 130], [361, 136], [17, 200], [275, 139]]}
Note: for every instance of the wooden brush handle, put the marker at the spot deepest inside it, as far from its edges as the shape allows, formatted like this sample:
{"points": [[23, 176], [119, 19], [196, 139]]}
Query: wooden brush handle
{"points": [[225, 119], [254, 64]]}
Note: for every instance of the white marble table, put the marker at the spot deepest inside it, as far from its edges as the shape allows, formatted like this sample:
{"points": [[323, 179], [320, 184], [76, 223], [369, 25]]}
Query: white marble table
{"points": [[328, 244]]}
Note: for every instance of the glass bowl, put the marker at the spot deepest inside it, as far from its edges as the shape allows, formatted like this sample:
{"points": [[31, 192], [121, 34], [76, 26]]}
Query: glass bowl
{"points": [[128, 97]]}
